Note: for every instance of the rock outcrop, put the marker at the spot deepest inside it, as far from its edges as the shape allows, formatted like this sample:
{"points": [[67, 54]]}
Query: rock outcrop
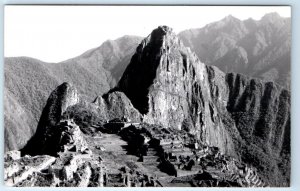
{"points": [[117, 105], [18, 170], [59, 100], [12, 155], [111, 106], [66, 136]]}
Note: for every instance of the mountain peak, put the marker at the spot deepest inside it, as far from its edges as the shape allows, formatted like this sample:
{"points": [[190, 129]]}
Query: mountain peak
{"points": [[161, 61], [157, 35], [230, 18], [271, 17], [65, 85], [165, 29], [160, 53], [228, 24]]}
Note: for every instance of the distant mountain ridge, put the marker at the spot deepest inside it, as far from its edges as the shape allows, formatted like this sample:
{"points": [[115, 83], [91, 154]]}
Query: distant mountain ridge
{"points": [[255, 48]]}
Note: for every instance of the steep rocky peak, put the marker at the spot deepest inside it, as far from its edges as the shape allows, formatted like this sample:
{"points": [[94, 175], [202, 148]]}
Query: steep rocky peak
{"points": [[160, 43], [153, 48], [159, 37], [166, 82], [158, 59], [162, 31], [64, 96]]}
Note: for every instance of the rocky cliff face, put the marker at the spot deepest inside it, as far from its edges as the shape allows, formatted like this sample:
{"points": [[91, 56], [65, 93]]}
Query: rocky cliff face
{"points": [[59, 100], [117, 105], [169, 85]]}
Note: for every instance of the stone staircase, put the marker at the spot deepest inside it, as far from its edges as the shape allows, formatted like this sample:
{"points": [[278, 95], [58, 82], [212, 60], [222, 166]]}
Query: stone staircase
{"points": [[151, 162], [253, 180]]}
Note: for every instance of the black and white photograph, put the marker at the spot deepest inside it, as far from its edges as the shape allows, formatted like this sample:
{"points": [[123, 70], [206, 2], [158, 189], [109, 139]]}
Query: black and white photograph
{"points": [[147, 96]]}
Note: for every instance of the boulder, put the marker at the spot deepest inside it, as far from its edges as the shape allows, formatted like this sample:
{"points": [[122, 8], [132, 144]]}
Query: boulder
{"points": [[12, 155]]}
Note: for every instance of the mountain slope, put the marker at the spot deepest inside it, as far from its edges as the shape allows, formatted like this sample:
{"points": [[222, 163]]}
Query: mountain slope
{"points": [[28, 82], [256, 48], [114, 55]]}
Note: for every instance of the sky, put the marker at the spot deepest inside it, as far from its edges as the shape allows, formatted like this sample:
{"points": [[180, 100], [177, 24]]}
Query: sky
{"points": [[58, 33]]}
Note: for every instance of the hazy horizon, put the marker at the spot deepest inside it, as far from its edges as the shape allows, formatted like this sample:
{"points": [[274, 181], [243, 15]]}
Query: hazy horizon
{"points": [[35, 31]]}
